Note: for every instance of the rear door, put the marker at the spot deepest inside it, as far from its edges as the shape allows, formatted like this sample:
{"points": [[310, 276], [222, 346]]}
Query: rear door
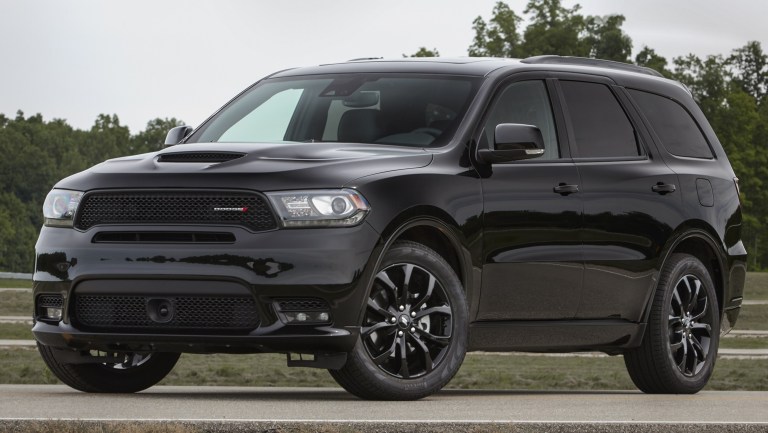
{"points": [[631, 198]]}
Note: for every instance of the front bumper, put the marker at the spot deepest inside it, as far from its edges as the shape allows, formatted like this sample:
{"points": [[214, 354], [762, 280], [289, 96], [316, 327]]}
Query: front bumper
{"points": [[334, 265]]}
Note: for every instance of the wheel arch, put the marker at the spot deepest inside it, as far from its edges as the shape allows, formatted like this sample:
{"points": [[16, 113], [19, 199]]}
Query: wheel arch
{"points": [[699, 240], [435, 229]]}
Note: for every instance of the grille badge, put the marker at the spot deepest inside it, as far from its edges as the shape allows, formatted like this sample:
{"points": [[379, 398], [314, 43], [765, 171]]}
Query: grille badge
{"points": [[230, 209]]}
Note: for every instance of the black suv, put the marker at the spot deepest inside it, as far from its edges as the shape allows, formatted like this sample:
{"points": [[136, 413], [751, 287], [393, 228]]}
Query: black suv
{"points": [[381, 218]]}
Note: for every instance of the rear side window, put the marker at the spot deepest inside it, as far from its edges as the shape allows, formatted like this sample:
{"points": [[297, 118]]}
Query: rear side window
{"points": [[675, 127], [601, 129]]}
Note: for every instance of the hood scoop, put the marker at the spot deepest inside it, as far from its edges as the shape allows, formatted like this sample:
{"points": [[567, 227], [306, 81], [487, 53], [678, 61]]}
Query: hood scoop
{"points": [[205, 157]]}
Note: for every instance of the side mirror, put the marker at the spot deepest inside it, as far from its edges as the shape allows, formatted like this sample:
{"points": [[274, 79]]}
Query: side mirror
{"points": [[175, 135], [513, 142]]}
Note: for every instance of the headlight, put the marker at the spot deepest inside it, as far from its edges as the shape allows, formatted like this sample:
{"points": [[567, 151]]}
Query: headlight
{"points": [[60, 206], [327, 208]]}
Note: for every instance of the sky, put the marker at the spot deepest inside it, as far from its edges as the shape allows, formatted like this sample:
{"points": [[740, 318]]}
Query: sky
{"points": [[142, 59]]}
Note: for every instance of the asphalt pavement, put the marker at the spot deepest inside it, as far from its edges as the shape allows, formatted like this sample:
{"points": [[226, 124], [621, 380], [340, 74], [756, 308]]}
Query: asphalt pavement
{"points": [[333, 410]]}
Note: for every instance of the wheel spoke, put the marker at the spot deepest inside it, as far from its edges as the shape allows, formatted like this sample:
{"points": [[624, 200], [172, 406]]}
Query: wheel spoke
{"points": [[372, 305], [387, 354], [684, 360], [384, 278], [406, 284], [441, 309], [367, 331], [428, 364], [676, 346], [439, 340], [676, 299], [404, 359], [703, 310], [428, 294], [694, 293], [703, 326], [698, 348]]}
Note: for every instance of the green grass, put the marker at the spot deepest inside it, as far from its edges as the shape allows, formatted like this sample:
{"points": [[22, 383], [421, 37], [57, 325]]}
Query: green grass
{"points": [[22, 284], [744, 343], [16, 331], [24, 366], [753, 317], [16, 304], [756, 286]]}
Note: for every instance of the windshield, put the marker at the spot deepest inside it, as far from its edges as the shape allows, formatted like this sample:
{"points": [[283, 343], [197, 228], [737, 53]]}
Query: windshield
{"points": [[409, 110]]}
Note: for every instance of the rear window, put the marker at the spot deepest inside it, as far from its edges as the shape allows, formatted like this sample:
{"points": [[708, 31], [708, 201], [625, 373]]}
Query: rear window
{"points": [[674, 126]]}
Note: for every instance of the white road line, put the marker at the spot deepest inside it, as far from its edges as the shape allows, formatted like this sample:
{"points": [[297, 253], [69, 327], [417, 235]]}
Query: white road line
{"points": [[15, 289]]}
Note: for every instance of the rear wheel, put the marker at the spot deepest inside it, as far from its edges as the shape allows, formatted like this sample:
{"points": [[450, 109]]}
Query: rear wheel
{"points": [[414, 333], [118, 373], [677, 355]]}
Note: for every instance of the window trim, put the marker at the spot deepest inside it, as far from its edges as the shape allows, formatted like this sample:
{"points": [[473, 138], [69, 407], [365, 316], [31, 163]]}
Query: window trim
{"points": [[613, 88]]}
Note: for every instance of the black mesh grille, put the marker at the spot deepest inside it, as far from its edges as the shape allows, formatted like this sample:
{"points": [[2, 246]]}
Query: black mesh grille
{"points": [[125, 312], [53, 301], [170, 207], [302, 304], [199, 157]]}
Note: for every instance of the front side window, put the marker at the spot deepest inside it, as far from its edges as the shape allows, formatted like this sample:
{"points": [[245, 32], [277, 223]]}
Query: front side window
{"points": [[525, 102], [601, 129], [676, 129], [415, 110]]}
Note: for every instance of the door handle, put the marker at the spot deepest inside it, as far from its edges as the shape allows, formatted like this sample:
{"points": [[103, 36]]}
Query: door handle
{"points": [[565, 189], [663, 188]]}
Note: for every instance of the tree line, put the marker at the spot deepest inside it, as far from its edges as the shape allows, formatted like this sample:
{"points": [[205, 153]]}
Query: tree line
{"points": [[731, 90]]}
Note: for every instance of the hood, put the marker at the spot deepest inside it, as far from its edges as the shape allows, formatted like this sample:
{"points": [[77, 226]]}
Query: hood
{"points": [[257, 166]]}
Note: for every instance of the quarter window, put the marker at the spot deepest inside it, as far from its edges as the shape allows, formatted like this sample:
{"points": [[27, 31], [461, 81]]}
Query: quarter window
{"points": [[675, 127], [601, 129]]}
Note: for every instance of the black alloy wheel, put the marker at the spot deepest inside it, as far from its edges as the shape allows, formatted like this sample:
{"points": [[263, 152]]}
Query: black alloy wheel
{"points": [[679, 348], [415, 328], [407, 326], [690, 325]]}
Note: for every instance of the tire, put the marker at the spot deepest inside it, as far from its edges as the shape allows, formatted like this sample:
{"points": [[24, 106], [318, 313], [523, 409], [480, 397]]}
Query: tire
{"points": [[415, 328], [679, 348], [138, 371]]}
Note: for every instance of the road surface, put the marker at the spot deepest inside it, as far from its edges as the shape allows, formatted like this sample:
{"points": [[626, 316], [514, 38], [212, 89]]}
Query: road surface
{"points": [[333, 410]]}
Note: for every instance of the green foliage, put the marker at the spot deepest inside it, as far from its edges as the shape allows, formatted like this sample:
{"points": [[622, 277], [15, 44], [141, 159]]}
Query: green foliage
{"points": [[36, 154], [552, 29], [425, 52], [647, 57]]}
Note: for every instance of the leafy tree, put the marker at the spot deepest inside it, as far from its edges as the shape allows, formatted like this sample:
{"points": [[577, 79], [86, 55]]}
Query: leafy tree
{"points": [[554, 29], [499, 37], [152, 138], [606, 39], [750, 65], [647, 57]]}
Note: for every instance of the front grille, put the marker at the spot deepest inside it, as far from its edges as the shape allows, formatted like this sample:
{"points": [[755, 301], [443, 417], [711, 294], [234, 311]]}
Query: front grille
{"points": [[164, 238], [200, 313], [171, 207], [199, 157], [301, 304]]}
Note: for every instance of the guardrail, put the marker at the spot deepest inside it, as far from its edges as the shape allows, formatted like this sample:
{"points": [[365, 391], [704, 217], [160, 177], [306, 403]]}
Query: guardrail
{"points": [[15, 276]]}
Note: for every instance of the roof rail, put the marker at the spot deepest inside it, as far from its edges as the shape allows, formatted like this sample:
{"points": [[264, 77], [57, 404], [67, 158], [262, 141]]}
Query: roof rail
{"points": [[583, 61], [364, 58]]}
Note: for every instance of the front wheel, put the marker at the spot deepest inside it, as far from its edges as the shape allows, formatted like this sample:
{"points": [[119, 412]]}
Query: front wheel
{"points": [[415, 327], [678, 352], [119, 373]]}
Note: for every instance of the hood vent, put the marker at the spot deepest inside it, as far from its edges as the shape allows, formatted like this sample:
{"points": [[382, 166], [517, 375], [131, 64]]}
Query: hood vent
{"points": [[199, 157]]}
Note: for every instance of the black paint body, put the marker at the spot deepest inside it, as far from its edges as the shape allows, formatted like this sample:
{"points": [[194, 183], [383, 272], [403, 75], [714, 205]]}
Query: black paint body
{"points": [[543, 271]]}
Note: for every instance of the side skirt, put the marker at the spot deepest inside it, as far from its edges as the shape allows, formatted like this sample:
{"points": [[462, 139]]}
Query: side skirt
{"points": [[610, 336]]}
